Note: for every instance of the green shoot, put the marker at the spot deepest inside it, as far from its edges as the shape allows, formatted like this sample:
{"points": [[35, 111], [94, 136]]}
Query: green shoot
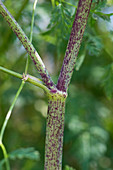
{"points": [[15, 99]]}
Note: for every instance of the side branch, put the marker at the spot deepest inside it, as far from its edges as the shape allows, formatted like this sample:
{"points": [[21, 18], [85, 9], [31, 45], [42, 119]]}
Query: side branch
{"points": [[31, 79], [28, 46], [74, 44]]}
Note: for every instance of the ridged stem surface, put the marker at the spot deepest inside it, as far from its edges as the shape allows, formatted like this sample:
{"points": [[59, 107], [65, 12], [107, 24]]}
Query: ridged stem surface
{"points": [[54, 132], [74, 44]]}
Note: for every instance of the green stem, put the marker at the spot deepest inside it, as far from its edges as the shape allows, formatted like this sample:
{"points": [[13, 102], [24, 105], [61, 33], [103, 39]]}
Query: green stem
{"points": [[53, 3], [31, 34], [31, 79], [10, 111], [5, 70], [13, 103], [32, 21], [5, 155]]}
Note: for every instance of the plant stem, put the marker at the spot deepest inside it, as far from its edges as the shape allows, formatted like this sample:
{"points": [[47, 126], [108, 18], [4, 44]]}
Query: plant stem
{"points": [[10, 110], [53, 3], [5, 124], [13, 103], [31, 79], [31, 34], [15, 74], [32, 21], [54, 131], [28, 46], [5, 155], [56, 108], [74, 44]]}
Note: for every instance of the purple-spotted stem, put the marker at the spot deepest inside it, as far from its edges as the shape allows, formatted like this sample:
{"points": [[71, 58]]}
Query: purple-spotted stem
{"points": [[28, 46], [57, 96], [74, 43]]}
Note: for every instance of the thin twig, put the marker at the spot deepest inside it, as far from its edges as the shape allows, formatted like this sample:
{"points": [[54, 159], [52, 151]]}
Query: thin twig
{"points": [[31, 79]]}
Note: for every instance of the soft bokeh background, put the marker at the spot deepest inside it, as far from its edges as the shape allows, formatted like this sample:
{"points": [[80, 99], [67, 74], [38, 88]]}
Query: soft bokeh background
{"points": [[88, 135]]}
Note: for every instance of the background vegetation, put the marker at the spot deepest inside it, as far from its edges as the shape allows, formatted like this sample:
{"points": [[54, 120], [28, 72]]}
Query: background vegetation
{"points": [[88, 136]]}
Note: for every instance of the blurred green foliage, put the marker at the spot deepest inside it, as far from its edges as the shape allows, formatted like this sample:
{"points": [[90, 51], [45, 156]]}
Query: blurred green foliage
{"points": [[88, 135]]}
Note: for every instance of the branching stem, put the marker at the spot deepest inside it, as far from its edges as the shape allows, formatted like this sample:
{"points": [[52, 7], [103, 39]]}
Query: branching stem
{"points": [[31, 79], [28, 46], [16, 97]]}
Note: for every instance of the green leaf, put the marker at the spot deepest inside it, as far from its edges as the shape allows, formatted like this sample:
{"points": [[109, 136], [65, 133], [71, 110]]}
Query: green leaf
{"points": [[59, 28], [94, 45], [61, 21], [29, 153], [103, 15], [99, 4]]}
